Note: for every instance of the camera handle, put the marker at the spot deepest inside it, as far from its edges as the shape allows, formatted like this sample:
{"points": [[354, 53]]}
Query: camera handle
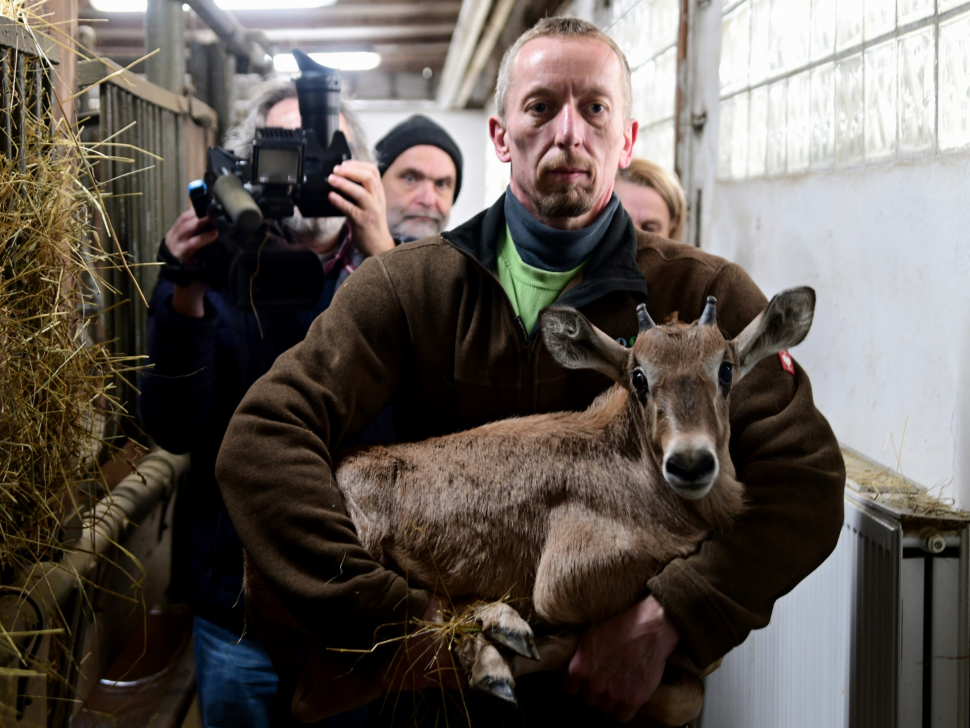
{"points": [[239, 205]]}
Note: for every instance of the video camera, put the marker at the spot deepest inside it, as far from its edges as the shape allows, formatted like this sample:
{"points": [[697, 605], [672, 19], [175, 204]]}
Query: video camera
{"points": [[288, 171]]}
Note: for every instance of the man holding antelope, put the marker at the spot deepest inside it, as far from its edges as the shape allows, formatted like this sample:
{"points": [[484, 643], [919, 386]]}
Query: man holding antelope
{"points": [[448, 330]]}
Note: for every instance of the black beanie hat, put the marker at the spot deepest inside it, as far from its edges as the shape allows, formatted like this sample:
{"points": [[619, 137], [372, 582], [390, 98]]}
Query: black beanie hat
{"points": [[413, 132]]}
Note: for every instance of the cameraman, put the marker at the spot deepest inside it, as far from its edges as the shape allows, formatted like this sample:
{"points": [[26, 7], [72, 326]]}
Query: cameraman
{"points": [[204, 354]]}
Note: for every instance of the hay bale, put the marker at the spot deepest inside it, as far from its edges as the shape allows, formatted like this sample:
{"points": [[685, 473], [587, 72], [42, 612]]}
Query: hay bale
{"points": [[54, 380]]}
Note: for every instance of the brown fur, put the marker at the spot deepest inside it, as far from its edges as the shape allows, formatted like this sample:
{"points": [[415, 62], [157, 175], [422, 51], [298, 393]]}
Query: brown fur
{"points": [[567, 513]]}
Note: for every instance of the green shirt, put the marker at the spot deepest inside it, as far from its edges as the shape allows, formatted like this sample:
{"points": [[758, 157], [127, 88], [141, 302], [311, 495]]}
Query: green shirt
{"points": [[530, 289]]}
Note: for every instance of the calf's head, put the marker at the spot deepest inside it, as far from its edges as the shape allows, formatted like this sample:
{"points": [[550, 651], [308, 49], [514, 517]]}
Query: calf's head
{"points": [[681, 376]]}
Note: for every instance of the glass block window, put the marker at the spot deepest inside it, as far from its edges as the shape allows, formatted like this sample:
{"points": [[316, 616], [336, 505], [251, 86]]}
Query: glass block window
{"points": [[815, 84], [646, 31]]}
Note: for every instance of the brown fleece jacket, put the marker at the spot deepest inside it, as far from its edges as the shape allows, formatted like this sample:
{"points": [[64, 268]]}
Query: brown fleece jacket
{"points": [[429, 328]]}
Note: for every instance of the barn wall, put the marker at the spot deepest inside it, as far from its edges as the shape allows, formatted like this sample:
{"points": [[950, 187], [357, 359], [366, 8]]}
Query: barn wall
{"points": [[843, 163], [888, 250]]}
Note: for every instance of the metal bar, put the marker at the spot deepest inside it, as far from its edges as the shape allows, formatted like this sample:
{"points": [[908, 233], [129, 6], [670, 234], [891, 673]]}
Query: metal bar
{"points": [[49, 99], [6, 143], [141, 206], [38, 91], [21, 112], [35, 597], [254, 49], [126, 234], [165, 32]]}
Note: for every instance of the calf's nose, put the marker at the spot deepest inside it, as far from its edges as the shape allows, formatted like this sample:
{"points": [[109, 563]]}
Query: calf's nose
{"points": [[691, 471]]}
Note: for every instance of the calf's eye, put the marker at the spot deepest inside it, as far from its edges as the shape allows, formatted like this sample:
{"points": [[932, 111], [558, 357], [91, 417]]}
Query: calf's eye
{"points": [[639, 381], [725, 374]]}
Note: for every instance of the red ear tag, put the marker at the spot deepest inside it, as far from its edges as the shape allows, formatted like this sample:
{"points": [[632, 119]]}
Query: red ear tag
{"points": [[786, 362]]}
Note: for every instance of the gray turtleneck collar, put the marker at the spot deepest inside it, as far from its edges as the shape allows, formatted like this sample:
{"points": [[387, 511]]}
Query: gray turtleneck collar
{"points": [[546, 248]]}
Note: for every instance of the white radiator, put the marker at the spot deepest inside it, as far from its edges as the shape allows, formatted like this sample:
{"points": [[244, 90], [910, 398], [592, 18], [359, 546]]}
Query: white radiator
{"points": [[877, 637]]}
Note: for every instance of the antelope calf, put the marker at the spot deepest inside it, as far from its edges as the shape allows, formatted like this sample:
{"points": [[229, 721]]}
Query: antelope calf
{"points": [[566, 515]]}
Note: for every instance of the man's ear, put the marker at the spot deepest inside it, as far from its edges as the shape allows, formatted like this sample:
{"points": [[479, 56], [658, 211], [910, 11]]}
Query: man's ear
{"points": [[498, 134], [576, 344], [783, 324], [630, 132]]}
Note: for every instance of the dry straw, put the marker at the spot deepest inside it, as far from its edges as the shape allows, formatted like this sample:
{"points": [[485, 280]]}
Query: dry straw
{"points": [[54, 378]]}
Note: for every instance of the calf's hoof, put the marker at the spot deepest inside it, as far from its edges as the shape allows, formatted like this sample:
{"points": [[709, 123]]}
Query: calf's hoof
{"points": [[504, 626], [487, 669]]}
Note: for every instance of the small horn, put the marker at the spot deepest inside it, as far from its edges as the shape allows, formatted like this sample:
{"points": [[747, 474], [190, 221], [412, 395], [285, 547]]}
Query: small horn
{"points": [[646, 323], [709, 317]]}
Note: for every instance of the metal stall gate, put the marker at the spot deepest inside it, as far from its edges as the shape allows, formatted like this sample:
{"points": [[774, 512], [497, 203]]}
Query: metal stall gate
{"points": [[87, 591], [26, 87], [168, 135]]}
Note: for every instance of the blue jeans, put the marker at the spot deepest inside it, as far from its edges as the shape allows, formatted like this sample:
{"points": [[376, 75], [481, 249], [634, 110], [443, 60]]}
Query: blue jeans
{"points": [[237, 683]]}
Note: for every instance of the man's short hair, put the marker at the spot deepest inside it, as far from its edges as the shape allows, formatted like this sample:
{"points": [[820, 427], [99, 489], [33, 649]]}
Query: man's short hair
{"points": [[559, 28], [239, 139], [648, 174]]}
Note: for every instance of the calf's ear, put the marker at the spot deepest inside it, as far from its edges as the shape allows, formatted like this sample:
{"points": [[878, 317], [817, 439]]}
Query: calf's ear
{"points": [[784, 323], [576, 344]]}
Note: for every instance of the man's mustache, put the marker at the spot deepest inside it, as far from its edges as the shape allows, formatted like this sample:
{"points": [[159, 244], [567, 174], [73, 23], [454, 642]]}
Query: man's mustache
{"points": [[436, 217], [565, 160]]}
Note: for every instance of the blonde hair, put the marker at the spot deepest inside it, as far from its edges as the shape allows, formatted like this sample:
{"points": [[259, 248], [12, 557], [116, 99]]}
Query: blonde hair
{"points": [[558, 28], [647, 174]]}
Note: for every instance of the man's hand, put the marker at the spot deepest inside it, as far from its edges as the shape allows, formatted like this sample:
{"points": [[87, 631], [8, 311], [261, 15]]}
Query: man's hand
{"points": [[422, 661], [189, 234], [618, 665], [366, 210], [183, 239]]}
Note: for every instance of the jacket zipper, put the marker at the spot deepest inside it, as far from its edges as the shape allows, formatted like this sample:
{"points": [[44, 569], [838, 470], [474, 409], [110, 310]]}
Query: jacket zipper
{"points": [[517, 320], [525, 334], [518, 325]]}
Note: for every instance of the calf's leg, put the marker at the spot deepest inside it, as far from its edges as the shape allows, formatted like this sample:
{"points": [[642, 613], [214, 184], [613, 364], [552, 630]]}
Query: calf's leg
{"points": [[487, 670], [502, 625], [590, 569]]}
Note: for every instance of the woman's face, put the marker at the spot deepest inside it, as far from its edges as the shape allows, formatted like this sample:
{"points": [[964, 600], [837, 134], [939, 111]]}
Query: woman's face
{"points": [[646, 207]]}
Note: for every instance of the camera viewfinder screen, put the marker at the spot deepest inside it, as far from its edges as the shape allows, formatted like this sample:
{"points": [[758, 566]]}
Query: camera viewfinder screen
{"points": [[278, 166]]}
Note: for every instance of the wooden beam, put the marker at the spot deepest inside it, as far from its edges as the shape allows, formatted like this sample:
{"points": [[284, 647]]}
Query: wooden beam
{"points": [[469, 27], [14, 35], [97, 71], [335, 16], [359, 34], [486, 44]]}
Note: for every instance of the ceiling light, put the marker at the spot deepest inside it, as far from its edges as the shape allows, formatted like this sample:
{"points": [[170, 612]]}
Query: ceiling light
{"points": [[139, 6], [342, 61]]}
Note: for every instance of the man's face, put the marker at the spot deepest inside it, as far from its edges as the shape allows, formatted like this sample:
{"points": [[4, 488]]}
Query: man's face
{"points": [[565, 130], [419, 187], [319, 234]]}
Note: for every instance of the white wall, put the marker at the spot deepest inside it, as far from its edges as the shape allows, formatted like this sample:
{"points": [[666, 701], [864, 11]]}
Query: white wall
{"points": [[469, 130], [887, 249]]}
